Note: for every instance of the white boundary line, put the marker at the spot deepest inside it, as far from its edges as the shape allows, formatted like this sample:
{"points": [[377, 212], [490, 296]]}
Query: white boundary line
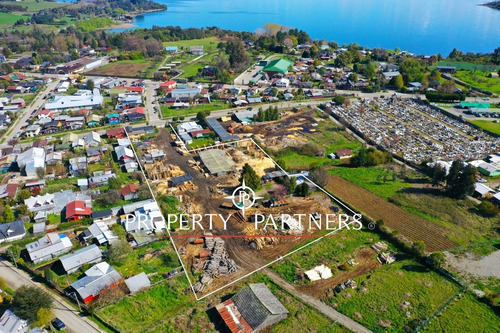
{"points": [[168, 231], [268, 264]]}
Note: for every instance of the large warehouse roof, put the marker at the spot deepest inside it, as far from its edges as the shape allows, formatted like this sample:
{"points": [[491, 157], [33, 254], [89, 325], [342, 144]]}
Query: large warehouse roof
{"points": [[221, 132], [279, 65], [217, 161]]}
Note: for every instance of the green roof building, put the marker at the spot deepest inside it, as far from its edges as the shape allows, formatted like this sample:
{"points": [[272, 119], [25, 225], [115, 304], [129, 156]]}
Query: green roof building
{"points": [[279, 66], [474, 105]]}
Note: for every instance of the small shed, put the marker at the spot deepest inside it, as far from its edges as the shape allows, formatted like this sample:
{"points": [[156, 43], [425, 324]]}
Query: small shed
{"points": [[138, 282]]}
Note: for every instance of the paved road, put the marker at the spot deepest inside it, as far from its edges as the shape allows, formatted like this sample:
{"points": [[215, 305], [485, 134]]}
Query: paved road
{"points": [[318, 305], [74, 321]]}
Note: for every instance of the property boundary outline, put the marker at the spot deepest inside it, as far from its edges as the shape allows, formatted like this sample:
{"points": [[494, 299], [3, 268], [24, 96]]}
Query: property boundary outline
{"points": [[269, 263]]}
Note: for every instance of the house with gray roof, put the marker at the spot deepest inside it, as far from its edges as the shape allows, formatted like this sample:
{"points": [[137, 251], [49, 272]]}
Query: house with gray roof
{"points": [[48, 247], [12, 231], [87, 255], [252, 309], [97, 280]]}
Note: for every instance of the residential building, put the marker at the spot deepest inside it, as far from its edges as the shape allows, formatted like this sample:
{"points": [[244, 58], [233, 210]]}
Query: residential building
{"points": [[12, 231], [88, 100], [87, 255], [31, 160], [130, 192], [93, 139], [48, 247], [98, 279], [77, 210], [100, 233], [252, 309]]}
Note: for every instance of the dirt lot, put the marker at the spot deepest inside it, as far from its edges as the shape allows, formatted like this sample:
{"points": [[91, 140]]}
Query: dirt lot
{"points": [[482, 267], [121, 68], [409, 225], [323, 288]]}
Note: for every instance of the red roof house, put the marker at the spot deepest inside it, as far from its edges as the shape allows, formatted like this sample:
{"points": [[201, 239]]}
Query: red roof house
{"points": [[115, 133], [130, 191], [167, 85], [76, 210]]}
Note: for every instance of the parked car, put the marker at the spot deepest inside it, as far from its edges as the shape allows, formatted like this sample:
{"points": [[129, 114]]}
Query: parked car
{"points": [[58, 324]]}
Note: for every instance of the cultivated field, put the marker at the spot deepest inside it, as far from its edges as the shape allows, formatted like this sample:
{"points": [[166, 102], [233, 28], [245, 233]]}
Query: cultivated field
{"points": [[411, 226]]}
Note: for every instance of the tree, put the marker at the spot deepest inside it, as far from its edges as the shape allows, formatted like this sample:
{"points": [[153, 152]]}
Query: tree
{"points": [[250, 177], [118, 252], [436, 260], [8, 214], [28, 301], [438, 175], [487, 209], [339, 99], [144, 192], [43, 316], [397, 82], [90, 84], [23, 195], [291, 183], [302, 190], [114, 183], [418, 249], [47, 273], [319, 175], [40, 172], [14, 253], [461, 180]]}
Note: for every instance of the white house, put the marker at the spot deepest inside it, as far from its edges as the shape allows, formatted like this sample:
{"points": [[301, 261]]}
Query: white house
{"points": [[283, 83], [31, 160], [83, 99], [92, 139]]}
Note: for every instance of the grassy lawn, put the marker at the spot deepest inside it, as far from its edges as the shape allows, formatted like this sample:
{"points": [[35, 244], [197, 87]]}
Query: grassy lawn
{"points": [[197, 143], [372, 179], [162, 263], [469, 66], [210, 42], [480, 79], [10, 19], [169, 112], [381, 296], [35, 6], [487, 125], [465, 314], [170, 307], [192, 69], [330, 251], [147, 309]]}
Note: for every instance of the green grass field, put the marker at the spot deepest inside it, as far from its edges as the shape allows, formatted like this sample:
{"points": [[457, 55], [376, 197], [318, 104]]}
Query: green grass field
{"points": [[9, 19], [372, 179], [169, 112], [170, 307], [465, 314], [210, 42], [469, 66], [487, 125], [397, 296], [35, 6], [480, 79]]}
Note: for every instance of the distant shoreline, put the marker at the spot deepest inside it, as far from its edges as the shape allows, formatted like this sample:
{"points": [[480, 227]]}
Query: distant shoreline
{"points": [[493, 4]]}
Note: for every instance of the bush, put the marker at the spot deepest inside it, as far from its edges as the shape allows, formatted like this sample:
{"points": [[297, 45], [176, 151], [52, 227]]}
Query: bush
{"points": [[487, 209], [28, 301]]}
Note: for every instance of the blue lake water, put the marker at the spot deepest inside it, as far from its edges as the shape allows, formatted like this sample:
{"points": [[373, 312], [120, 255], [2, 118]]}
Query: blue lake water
{"points": [[419, 26]]}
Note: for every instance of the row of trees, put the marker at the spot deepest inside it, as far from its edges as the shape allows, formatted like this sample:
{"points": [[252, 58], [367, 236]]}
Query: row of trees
{"points": [[459, 180], [268, 115], [370, 157]]}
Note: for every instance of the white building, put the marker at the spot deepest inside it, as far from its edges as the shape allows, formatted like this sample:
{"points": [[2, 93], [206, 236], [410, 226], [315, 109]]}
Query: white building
{"points": [[83, 99]]}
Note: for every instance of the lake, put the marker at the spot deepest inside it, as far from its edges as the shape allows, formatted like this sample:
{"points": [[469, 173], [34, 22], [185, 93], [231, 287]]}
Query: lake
{"points": [[419, 26]]}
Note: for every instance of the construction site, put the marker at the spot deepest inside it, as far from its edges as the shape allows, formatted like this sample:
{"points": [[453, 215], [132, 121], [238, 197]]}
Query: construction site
{"points": [[202, 180]]}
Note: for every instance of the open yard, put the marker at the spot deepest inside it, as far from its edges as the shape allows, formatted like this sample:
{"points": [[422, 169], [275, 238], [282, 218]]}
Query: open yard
{"points": [[378, 180], [35, 6], [207, 43], [9, 19], [395, 297], [487, 125], [480, 79], [170, 307], [333, 252], [128, 68], [167, 111], [465, 314]]}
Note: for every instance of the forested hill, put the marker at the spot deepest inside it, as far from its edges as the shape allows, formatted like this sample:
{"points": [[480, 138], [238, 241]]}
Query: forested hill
{"points": [[493, 4]]}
